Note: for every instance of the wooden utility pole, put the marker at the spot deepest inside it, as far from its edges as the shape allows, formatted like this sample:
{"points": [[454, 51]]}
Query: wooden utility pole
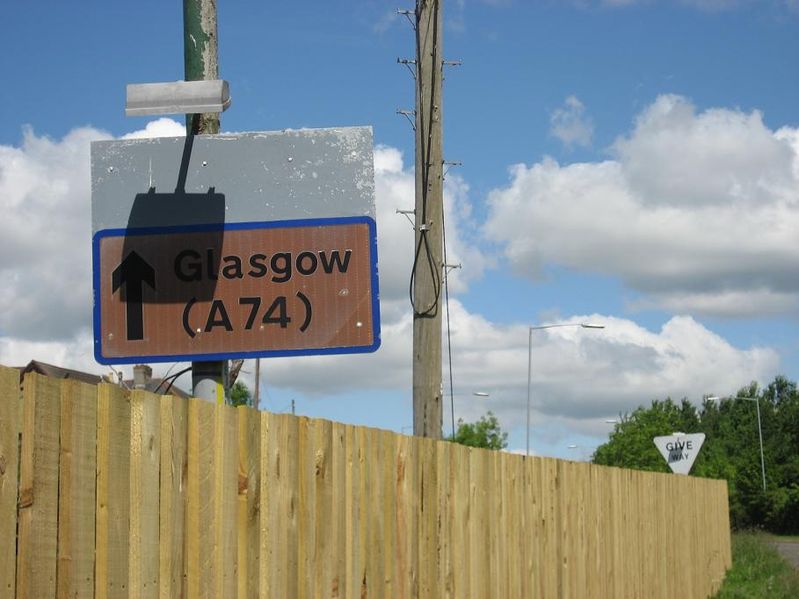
{"points": [[427, 265], [201, 63]]}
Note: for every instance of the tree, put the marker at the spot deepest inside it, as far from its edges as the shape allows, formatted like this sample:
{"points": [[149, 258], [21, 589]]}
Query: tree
{"points": [[240, 395], [486, 433], [731, 450], [630, 444]]}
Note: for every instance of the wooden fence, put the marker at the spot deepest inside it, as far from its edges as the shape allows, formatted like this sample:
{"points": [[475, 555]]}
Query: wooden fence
{"points": [[127, 494]]}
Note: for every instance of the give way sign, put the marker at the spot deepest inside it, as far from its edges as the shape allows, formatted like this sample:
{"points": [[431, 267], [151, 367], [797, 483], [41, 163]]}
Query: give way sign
{"points": [[680, 451]]}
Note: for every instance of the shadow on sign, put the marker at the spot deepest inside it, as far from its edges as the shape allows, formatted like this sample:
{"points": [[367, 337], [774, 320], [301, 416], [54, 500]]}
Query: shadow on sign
{"points": [[152, 210]]}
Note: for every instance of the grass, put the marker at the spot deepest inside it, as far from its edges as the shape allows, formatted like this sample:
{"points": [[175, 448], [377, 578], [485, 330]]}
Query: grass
{"points": [[758, 571]]}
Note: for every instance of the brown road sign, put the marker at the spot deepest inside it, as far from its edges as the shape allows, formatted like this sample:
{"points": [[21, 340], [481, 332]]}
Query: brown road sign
{"points": [[211, 292]]}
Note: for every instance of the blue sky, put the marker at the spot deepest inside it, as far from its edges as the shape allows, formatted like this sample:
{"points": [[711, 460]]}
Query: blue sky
{"points": [[624, 162]]}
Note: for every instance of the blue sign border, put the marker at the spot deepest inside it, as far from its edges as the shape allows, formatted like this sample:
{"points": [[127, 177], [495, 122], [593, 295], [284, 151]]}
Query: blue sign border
{"points": [[283, 224]]}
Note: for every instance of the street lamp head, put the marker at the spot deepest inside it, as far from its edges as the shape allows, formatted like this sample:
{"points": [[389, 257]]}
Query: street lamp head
{"points": [[588, 325], [572, 447], [481, 394], [713, 398]]}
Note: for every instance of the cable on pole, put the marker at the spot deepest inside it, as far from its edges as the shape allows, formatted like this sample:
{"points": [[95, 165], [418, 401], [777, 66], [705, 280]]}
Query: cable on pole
{"points": [[447, 268], [423, 243]]}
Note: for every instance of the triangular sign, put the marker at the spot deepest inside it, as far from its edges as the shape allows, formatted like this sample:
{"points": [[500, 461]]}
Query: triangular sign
{"points": [[680, 451]]}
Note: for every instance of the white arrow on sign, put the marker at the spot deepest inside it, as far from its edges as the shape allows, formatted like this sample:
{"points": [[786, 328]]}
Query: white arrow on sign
{"points": [[680, 451]]}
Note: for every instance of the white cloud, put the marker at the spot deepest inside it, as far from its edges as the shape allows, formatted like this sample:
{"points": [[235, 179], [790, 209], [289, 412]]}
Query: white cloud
{"points": [[695, 206], [580, 376], [45, 236], [45, 233], [570, 124], [163, 127]]}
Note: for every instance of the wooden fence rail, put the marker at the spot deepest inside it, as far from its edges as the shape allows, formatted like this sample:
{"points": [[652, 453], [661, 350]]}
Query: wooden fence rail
{"points": [[126, 494]]}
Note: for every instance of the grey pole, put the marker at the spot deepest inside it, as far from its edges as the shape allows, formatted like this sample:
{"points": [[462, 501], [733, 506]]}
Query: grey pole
{"points": [[529, 380], [201, 62], [582, 325], [760, 434]]}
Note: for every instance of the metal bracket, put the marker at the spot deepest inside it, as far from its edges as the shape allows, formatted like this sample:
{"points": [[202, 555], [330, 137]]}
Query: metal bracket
{"points": [[407, 214], [450, 163], [407, 114], [408, 13], [408, 62]]}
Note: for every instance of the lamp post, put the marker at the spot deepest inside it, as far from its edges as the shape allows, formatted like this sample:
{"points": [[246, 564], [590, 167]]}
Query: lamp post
{"points": [[582, 325], [759, 430]]}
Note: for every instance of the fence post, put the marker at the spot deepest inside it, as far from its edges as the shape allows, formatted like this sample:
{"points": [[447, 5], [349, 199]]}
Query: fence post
{"points": [[10, 409]]}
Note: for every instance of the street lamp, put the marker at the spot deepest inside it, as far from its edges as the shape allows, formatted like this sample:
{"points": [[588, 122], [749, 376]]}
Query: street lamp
{"points": [[582, 325], [759, 430]]}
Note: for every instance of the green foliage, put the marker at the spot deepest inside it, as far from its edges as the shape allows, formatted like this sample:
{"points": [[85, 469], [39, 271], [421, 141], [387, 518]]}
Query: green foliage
{"points": [[758, 571], [731, 450], [486, 433], [240, 395]]}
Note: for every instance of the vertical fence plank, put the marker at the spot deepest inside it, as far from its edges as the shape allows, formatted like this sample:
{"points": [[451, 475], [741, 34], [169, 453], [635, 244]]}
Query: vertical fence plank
{"points": [[283, 492], [338, 467], [306, 500], [353, 565], [249, 489], [446, 576], [531, 506], [267, 509], [428, 520], [322, 516], [38, 489], [459, 537], [479, 525], [145, 455], [364, 557], [172, 512], [407, 517], [377, 521], [200, 524], [226, 484], [10, 412], [77, 500], [113, 492]]}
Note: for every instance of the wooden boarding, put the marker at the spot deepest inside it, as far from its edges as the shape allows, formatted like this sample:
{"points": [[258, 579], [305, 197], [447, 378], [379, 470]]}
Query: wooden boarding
{"points": [[10, 415], [76, 492], [38, 488], [112, 565], [127, 494], [173, 476]]}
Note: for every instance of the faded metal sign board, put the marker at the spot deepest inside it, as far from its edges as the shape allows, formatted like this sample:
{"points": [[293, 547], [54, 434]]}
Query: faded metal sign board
{"points": [[219, 268], [680, 451]]}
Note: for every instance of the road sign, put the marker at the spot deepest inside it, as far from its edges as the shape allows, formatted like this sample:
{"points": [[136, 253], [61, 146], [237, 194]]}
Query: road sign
{"points": [[234, 246], [243, 290], [680, 451]]}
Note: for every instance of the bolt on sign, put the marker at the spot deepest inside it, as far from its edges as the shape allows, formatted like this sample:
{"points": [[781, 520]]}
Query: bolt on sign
{"points": [[266, 247], [680, 451]]}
